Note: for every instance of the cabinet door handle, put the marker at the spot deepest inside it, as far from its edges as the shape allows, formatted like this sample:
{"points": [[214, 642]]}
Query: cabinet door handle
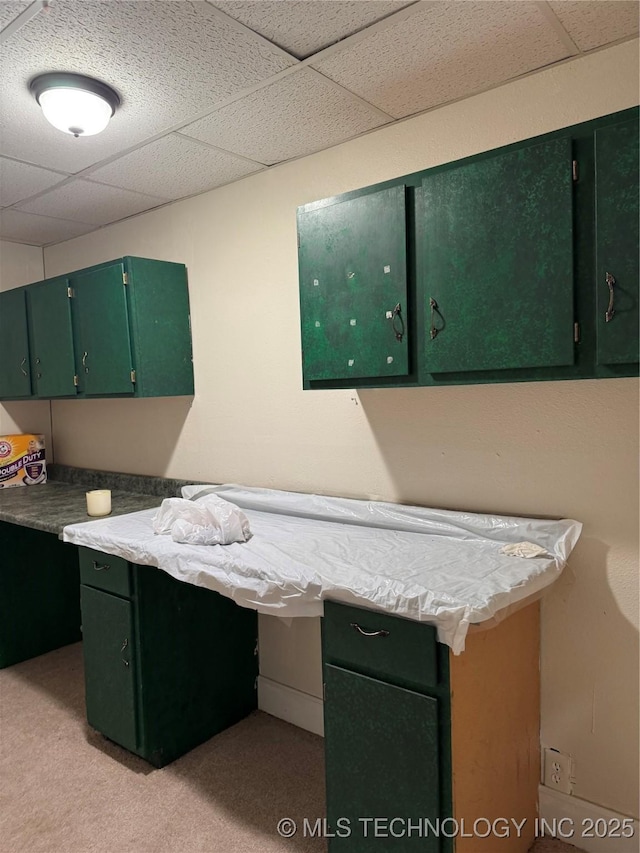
{"points": [[22, 364], [380, 633], [84, 361], [397, 322], [122, 650], [101, 567], [610, 280], [433, 331]]}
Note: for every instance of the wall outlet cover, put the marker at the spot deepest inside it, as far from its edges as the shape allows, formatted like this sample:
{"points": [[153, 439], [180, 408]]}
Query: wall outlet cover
{"points": [[558, 770]]}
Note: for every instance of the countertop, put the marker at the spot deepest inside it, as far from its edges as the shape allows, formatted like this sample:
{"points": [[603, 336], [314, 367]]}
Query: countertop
{"points": [[61, 501]]}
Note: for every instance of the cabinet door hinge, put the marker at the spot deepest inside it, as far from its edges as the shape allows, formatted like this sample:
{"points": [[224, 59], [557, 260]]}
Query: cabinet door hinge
{"points": [[70, 292], [133, 376], [125, 277], [76, 381], [576, 333], [574, 171]]}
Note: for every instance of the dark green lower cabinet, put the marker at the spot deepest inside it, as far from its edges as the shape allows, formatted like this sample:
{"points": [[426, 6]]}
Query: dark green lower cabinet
{"points": [[39, 593], [167, 667], [383, 769]]}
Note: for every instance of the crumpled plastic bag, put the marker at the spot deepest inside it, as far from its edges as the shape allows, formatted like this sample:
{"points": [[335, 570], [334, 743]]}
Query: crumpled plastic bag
{"points": [[524, 549], [209, 520]]}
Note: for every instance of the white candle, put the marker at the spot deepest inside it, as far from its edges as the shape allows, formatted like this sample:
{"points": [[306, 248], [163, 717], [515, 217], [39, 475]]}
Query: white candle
{"points": [[99, 502]]}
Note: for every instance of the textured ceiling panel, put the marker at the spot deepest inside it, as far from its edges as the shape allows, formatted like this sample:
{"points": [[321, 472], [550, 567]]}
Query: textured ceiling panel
{"points": [[38, 230], [596, 23], [20, 180], [303, 27], [174, 167], [170, 61], [295, 116], [97, 204], [9, 11], [444, 51]]}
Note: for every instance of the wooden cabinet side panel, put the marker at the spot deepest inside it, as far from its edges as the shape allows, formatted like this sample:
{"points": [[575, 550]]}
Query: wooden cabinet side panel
{"points": [[495, 731]]}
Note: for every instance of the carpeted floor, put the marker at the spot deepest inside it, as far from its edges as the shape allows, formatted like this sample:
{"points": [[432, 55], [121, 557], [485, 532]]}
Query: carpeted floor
{"points": [[65, 789]]}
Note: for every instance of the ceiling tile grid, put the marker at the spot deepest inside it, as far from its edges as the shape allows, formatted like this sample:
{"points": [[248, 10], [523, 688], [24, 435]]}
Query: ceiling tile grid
{"points": [[170, 62], [174, 166], [9, 11], [88, 202], [303, 27], [20, 227], [443, 52], [297, 115], [592, 24], [19, 181]]}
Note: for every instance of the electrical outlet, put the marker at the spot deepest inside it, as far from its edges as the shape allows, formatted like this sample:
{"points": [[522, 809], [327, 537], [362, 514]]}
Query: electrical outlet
{"points": [[558, 770]]}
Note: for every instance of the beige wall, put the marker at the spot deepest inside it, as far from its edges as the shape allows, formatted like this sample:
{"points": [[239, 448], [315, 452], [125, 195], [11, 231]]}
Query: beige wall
{"points": [[565, 449], [19, 265]]}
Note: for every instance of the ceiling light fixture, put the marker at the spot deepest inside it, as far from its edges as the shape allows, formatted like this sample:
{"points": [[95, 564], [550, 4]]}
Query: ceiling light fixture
{"points": [[74, 103]]}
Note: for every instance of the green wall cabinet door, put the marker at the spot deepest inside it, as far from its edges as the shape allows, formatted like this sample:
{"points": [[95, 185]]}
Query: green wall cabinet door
{"points": [[617, 218], [39, 593], [497, 262], [15, 372], [110, 665], [51, 337], [101, 323], [382, 761], [167, 664], [353, 287]]}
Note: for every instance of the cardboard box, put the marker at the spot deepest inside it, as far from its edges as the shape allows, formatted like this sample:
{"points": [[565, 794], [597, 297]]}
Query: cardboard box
{"points": [[22, 460]]}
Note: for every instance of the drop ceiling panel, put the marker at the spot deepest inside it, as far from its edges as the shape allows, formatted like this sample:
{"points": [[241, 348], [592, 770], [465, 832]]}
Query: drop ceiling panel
{"points": [[303, 27], [170, 61], [444, 51], [9, 11], [596, 23], [84, 201], [174, 166], [20, 180], [297, 115], [38, 230]]}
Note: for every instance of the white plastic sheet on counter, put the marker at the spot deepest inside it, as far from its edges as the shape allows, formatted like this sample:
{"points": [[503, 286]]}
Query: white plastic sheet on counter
{"points": [[430, 565]]}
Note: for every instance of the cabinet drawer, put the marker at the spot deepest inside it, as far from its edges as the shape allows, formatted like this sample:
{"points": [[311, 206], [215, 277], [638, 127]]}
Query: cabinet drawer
{"points": [[105, 571], [396, 650]]}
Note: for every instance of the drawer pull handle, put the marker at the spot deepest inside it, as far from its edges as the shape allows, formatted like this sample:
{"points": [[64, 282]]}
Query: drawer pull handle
{"points": [[122, 649], [100, 567], [608, 315], [381, 633]]}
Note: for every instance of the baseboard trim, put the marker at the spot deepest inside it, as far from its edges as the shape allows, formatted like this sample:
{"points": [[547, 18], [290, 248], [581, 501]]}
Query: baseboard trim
{"points": [[295, 707], [580, 816]]}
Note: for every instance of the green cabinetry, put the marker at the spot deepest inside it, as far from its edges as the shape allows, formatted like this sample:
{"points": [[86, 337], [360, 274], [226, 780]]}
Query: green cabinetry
{"points": [[167, 664], [387, 734], [513, 265], [353, 286], [39, 593], [15, 378], [117, 329]]}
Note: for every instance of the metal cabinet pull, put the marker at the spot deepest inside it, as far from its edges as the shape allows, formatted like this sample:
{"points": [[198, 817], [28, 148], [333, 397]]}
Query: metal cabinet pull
{"points": [[101, 567], [22, 364], [381, 633], [398, 328], [433, 305], [610, 280], [122, 649]]}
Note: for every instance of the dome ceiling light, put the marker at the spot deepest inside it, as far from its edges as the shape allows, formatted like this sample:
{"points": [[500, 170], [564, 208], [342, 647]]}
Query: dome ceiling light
{"points": [[74, 103]]}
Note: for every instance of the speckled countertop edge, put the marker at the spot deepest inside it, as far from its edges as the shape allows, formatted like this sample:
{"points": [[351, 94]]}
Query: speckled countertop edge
{"points": [[51, 506]]}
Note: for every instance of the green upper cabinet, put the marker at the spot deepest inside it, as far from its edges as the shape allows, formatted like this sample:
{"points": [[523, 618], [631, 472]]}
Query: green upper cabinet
{"points": [[353, 287], [15, 378], [101, 323], [617, 217], [51, 337], [118, 329], [497, 262]]}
